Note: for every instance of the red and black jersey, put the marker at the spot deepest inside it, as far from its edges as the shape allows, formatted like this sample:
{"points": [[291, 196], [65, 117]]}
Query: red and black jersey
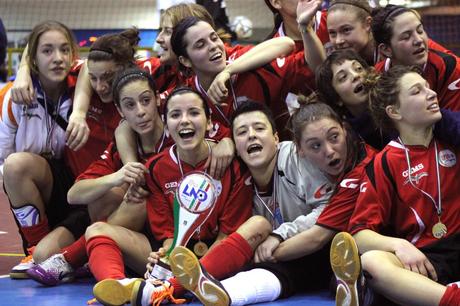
{"points": [[266, 84], [442, 71], [233, 206], [110, 161], [390, 204], [337, 213]]}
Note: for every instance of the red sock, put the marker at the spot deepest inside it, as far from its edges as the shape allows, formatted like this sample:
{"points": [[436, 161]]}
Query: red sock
{"points": [[223, 260], [75, 254], [105, 258], [228, 257], [33, 234], [451, 296]]}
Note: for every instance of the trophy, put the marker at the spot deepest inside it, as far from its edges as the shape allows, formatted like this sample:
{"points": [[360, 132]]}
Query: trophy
{"points": [[194, 201]]}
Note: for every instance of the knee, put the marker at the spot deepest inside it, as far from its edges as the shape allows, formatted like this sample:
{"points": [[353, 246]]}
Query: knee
{"points": [[15, 167], [374, 264], [255, 230], [98, 229]]}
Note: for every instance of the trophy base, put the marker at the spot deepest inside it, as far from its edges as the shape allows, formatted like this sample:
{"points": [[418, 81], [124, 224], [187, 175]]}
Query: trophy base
{"points": [[161, 271]]}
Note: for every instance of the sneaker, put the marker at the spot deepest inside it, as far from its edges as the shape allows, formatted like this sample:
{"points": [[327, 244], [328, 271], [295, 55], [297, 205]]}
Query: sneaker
{"points": [[113, 291], [190, 274], [19, 271], [153, 292], [53, 271], [345, 263]]}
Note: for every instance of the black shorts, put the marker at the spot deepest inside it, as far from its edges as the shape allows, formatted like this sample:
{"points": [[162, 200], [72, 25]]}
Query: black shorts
{"points": [[309, 273], [444, 255]]}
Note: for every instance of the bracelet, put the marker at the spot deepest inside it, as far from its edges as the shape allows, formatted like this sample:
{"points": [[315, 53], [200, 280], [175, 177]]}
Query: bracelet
{"points": [[277, 236]]}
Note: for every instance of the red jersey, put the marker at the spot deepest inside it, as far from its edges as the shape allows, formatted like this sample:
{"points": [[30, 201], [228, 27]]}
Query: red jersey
{"points": [[267, 84], [337, 213], [165, 76], [102, 119], [320, 29], [233, 206], [390, 204], [110, 161], [442, 71]]}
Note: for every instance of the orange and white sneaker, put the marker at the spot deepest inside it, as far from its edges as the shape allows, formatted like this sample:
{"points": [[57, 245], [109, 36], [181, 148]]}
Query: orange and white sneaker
{"points": [[190, 274], [153, 292], [19, 271]]}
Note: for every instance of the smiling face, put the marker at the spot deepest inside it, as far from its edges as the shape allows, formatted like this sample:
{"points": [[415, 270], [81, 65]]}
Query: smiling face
{"points": [[346, 30], [205, 50], [138, 106], [186, 121], [255, 141], [53, 57], [347, 81], [101, 75], [409, 41], [418, 104], [323, 143], [167, 56]]}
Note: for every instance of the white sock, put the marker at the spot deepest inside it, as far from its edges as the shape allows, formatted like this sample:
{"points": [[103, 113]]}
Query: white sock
{"points": [[254, 286]]}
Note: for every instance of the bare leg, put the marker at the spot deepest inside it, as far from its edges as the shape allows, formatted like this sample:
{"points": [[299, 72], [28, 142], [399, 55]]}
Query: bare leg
{"points": [[255, 230], [134, 246], [405, 287], [52, 243], [131, 216], [104, 206], [28, 179]]}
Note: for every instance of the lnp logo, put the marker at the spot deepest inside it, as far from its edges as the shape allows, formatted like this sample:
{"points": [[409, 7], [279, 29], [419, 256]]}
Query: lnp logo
{"points": [[349, 183], [415, 178], [280, 61], [197, 192], [322, 191], [454, 85], [447, 158]]}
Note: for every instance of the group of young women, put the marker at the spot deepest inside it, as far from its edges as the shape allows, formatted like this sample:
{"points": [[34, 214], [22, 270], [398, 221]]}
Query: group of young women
{"points": [[279, 203]]}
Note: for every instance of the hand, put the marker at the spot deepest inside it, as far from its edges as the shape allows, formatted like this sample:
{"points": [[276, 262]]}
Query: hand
{"points": [[153, 259], [131, 173], [306, 10], [221, 156], [218, 91], [265, 250], [135, 194], [77, 132], [22, 91], [414, 260]]}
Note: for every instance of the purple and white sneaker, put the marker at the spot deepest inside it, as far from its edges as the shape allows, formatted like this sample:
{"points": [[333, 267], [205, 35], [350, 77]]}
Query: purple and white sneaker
{"points": [[53, 271]]}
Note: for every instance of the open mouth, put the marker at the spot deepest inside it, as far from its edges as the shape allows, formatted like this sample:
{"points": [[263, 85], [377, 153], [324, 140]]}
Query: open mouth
{"points": [[334, 162], [254, 148], [186, 133], [216, 57], [359, 88], [419, 51], [433, 107]]}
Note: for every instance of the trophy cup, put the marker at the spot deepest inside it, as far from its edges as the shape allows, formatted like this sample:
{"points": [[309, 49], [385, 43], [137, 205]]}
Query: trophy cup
{"points": [[194, 201]]}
